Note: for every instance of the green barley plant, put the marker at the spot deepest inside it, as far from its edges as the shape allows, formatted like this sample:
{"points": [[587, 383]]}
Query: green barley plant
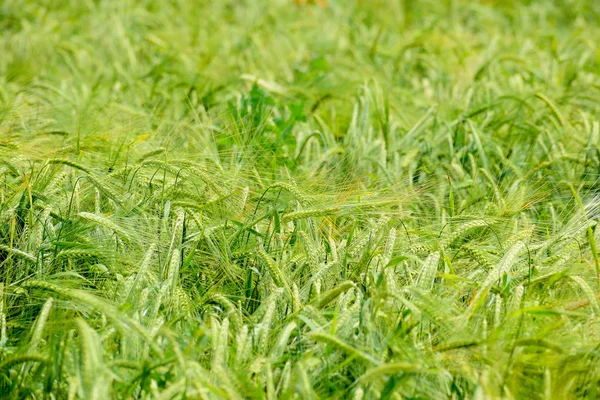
{"points": [[299, 200]]}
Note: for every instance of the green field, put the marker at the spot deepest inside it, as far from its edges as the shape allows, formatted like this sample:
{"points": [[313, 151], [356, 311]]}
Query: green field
{"points": [[373, 199]]}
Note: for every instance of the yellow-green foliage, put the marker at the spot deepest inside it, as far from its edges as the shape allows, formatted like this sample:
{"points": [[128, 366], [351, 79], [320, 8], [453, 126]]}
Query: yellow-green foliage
{"points": [[299, 199]]}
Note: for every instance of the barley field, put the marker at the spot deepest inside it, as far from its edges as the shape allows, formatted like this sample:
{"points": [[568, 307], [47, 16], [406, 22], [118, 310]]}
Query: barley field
{"points": [[346, 199]]}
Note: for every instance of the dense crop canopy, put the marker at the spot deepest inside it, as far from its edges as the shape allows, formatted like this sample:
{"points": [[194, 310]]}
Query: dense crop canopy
{"points": [[279, 199]]}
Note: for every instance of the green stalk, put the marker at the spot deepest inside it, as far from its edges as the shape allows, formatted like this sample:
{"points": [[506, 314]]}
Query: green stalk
{"points": [[590, 235]]}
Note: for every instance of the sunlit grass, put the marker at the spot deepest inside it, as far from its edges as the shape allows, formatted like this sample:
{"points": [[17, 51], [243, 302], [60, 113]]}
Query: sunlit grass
{"points": [[252, 199]]}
